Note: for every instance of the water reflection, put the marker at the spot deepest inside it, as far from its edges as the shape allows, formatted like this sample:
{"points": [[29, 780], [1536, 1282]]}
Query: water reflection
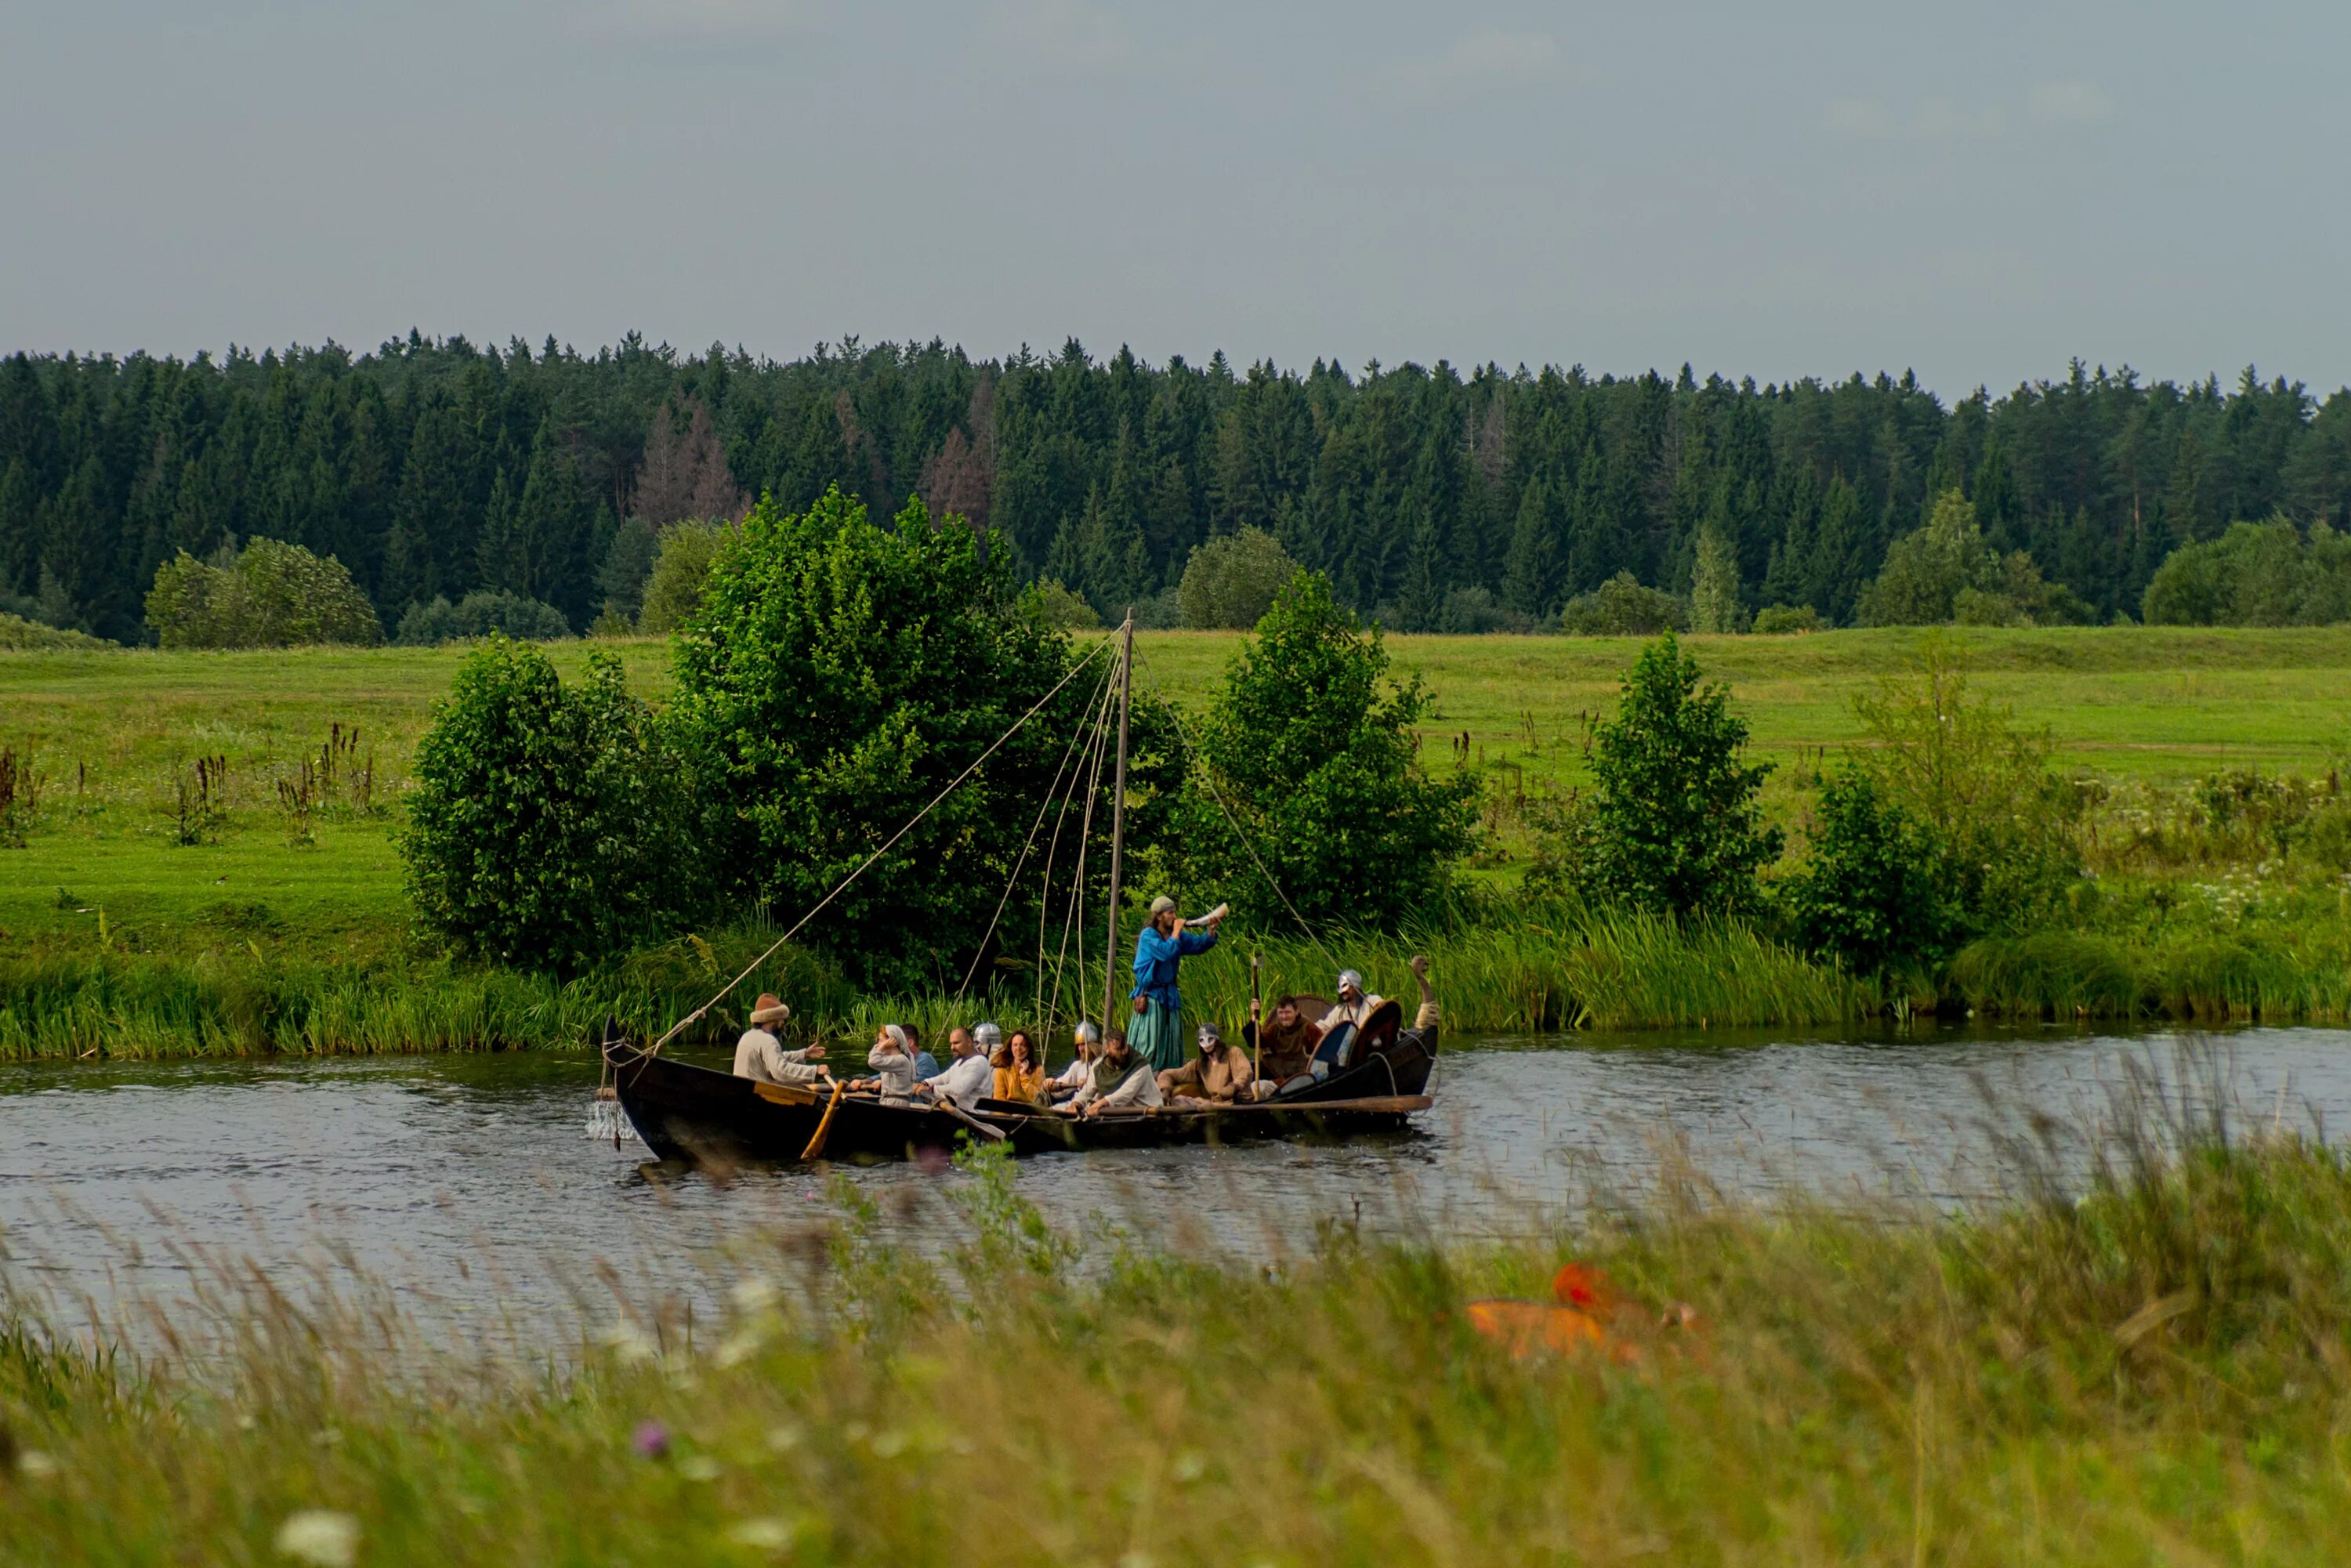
{"points": [[466, 1184]]}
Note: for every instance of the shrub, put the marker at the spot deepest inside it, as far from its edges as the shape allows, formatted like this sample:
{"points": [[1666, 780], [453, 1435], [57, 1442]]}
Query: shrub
{"points": [[674, 589], [18, 634], [545, 827], [838, 676], [1780, 619], [1057, 604], [269, 595], [1621, 607], [2003, 821], [2256, 574], [1471, 612], [1310, 746], [1673, 824], [1875, 889], [482, 614], [1945, 572], [1231, 581]]}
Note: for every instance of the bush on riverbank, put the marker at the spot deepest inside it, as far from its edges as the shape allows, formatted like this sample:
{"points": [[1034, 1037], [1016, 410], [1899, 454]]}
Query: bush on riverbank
{"points": [[2049, 1383]]}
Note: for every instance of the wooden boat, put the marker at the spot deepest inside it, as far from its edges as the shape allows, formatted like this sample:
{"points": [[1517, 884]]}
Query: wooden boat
{"points": [[1364, 1080], [700, 1116]]}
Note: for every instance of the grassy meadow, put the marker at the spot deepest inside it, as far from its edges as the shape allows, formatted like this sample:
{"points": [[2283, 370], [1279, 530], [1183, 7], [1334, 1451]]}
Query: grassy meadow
{"points": [[117, 935], [2155, 1372]]}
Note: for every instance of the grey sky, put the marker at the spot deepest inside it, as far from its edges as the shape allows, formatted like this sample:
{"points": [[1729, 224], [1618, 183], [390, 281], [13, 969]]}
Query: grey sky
{"points": [[1808, 187]]}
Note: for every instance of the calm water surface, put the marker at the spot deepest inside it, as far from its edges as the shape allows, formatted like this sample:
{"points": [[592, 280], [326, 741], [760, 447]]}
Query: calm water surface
{"points": [[467, 1185]]}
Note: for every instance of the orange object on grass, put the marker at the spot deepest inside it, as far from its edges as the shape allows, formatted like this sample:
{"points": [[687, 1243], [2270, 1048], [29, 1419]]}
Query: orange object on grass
{"points": [[1523, 1328]]}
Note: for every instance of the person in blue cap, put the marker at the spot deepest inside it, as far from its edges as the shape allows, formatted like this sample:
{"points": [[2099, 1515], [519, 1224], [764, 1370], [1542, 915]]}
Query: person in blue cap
{"points": [[1156, 1031]]}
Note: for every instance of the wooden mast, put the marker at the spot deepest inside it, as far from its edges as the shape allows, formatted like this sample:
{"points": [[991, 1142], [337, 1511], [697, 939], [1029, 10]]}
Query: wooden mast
{"points": [[1118, 819]]}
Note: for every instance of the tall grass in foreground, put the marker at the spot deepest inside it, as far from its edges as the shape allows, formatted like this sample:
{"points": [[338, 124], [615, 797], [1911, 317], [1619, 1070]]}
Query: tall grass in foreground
{"points": [[2157, 1371]]}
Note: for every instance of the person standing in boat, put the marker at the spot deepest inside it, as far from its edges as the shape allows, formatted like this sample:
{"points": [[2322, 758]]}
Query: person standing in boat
{"points": [[761, 1057], [1157, 1035]]}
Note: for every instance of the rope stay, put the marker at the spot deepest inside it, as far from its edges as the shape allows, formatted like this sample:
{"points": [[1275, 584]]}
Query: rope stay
{"points": [[1208, 779], [867, 864]]}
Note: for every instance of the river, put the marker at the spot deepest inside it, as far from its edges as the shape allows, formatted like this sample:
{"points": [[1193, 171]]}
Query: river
{"points": [[467, 1189]]}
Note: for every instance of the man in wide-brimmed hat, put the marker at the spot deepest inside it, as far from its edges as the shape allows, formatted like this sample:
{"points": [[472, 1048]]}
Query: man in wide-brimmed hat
{"points": [[759, 1055], [1156, 1031]]}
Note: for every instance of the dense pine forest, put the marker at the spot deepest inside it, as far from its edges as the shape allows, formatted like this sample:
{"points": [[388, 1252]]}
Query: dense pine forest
{"points": [[1434, 499]]}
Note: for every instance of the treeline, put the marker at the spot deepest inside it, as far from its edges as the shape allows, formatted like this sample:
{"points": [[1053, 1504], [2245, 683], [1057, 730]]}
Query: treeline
{"points": [[1434, 499]]}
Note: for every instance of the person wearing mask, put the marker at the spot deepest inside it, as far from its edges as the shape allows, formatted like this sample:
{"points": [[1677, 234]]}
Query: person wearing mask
{"points": [[1219, 1075], [1285, 1043], [1120, 1080], [1073, 1077], [761, 1057], [1159, 948], [891, 1062], [1018, 1074], [968, 1078]]}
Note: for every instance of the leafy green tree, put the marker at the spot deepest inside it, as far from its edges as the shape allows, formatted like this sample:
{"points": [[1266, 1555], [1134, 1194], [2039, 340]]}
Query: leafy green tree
{"points": [[1877, 888], [478, 614], [836, 677], [1984, 790], [546, 826], [1714, 587], [2256, 574], [1057, 604], [674, 591], [1231, 581], [1945, 572], [1674, 823], [628, 563], [1309, 745], [1621, 607], [269, 595]]}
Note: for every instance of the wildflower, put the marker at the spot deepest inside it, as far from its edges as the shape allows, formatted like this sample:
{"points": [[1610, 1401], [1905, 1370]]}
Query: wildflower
{"points": [[763, 1534], [650, 1440], [320, 1536]]}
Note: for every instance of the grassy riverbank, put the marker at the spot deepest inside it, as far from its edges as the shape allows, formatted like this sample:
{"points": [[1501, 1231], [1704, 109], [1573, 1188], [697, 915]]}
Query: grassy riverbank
{"points": [[152, 910], [2155, 1372]]}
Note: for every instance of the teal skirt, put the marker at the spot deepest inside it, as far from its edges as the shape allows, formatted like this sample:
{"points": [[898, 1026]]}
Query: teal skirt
{"points": [[1157, 1035]]}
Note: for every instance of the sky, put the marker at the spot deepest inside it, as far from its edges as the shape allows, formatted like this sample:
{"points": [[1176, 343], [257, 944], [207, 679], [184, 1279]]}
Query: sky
{"points": [[1809, 187]]}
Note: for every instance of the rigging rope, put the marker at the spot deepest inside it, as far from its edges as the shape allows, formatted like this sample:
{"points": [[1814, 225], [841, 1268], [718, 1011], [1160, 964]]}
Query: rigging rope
{"points": [[868, 864], [1094, 707], [1207, 777], [1077, 883]]}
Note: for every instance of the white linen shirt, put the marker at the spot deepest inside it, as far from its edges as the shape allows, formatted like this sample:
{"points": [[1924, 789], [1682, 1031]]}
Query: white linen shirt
{"points": [[967, 1081]]}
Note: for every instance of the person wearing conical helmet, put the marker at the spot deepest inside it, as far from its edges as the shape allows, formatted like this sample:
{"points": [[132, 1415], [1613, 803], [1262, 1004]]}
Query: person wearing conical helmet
{"points": [[1156, 1031]]}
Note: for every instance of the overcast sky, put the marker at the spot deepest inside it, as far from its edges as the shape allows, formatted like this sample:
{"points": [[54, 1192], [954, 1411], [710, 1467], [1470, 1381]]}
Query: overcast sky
{"points": [[1806, 187]]}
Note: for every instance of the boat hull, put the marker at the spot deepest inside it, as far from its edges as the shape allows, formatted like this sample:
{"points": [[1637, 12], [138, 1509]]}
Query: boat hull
{"points": [[713, 1119]]}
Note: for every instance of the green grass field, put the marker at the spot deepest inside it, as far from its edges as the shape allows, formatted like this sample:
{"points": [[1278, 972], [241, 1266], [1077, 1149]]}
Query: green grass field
{"points": [[110, 730], [115, 934]]}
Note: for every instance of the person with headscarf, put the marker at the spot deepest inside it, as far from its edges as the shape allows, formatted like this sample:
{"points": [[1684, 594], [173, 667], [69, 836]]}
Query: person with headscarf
{"points": [[1073, 1077], [1157, 1032], [891, 1061], [1218, 1076], [761, 1057], [968, 1078], [1120, 1080]]}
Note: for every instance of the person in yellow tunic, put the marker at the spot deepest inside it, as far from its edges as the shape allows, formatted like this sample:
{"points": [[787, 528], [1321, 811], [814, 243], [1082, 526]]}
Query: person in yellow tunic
{"points": [[1018, 1074]]}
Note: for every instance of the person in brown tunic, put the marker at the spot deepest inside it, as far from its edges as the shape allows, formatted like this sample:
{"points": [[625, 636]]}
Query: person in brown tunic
{"points": [[1285, 1042], [1217, 1076]]}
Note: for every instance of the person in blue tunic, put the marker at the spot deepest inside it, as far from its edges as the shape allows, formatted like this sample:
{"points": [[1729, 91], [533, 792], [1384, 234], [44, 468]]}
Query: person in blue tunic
{"points": [[1156, 1033]]}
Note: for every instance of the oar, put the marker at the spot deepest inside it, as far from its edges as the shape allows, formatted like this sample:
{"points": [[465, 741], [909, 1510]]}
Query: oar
{"points": [[824, 1123], [968, 1119]]}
